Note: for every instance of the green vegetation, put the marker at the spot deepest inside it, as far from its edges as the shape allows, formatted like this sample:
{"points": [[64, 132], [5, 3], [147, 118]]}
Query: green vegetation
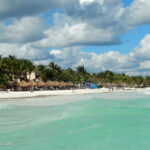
{"points": [[12, 69]]}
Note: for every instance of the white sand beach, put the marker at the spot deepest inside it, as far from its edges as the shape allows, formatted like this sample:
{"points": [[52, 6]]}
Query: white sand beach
{"points": [[25, 94], [20, 94]]}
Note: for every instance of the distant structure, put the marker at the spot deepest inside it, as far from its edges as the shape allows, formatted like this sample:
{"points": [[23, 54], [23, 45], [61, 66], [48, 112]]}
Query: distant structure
{"points": [[90, 85], [31, 76]]}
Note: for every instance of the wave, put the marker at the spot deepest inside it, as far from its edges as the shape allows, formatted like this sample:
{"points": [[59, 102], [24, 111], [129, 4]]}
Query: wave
{"points": [[147, 93], [3, 106]]}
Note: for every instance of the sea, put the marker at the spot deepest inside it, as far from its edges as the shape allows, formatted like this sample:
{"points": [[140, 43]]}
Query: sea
{"points": [[102, 121]]}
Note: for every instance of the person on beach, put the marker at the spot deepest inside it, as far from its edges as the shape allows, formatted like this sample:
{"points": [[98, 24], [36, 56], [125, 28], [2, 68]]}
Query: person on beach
{"points": [[111, 89]]}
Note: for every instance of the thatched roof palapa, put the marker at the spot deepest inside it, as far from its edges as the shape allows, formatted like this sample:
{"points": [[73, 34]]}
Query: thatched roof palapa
{"points": [[70, 84], [56, 84], [31, 83], [13, 83], [23, 84], [41, 84], [49, 84], [108, 85], [63, 84]]}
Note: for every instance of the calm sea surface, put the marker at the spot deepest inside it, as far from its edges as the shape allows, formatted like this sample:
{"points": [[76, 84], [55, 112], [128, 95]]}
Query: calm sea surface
{"points": [[108, 121]]}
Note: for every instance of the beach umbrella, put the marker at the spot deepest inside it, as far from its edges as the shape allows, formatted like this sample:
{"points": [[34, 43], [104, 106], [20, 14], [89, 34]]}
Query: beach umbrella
{"points": [[122, 85], [63, 84], [31, 83], [108, 85], [56, 83], [70, 84], [23, 84], [116, 84], [12, 83], [50, 83], [41, 84], [104, 84]]}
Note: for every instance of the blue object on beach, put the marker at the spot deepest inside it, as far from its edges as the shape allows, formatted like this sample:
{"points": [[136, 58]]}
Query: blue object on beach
{"points": [[94, 86], [90, 85], [87, 84]]}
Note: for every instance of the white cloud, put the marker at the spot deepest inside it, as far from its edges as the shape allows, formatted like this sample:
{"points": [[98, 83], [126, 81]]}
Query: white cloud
{"points": [[22, 8], [78, 34], [98, 22], [90, 1], [133, 64], [138, 12], [86, 1], [143, 50], [145, 65], [27, 29], [23, 51], [91, 24], [136, 62], [55, 52], [73, 57]]}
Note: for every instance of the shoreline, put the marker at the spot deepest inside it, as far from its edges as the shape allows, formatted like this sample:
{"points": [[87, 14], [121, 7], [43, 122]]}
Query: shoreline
{"points": [[28, 94]]}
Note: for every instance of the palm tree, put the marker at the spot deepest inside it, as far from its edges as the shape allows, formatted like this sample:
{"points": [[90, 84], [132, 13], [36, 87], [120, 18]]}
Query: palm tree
{"points": [[57, 71], [82, 73]]}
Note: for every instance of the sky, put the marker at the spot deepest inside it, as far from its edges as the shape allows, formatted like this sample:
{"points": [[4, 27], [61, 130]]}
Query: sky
{"points": [[99, 34]]}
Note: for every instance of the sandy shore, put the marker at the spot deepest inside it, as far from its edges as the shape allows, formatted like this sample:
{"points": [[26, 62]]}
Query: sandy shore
{"points": [[12, 94]]}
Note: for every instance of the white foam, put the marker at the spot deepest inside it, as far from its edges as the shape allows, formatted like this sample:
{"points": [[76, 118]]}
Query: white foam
{"points": [[3, 105], [147, 93]]}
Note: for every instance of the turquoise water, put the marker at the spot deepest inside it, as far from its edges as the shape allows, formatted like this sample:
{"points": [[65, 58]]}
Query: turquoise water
{"points": [[110, 121]]}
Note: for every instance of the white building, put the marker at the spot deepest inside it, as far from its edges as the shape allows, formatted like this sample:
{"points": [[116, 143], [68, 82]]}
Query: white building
{"points": [[31, 76]]}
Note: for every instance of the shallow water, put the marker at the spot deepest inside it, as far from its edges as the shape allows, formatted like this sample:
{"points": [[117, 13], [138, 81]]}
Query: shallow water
{"points": [[108, 121]]}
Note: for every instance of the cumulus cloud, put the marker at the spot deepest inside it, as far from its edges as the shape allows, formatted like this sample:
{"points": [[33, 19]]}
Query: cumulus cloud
{"points": [[23, 51], [17, 8], [27, 29], [73, 57], [145, 64], [78, 34], [137, 13], [89, 23], [83, 22], [133, 64], [143, 50]]}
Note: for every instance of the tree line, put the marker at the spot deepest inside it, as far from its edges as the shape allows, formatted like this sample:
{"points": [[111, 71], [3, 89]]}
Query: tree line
{"points": [[12, 68]]}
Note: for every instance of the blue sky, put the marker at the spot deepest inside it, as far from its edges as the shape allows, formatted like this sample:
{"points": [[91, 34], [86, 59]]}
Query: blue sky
{"points": [[129, 40], [127, 2], [99, 34]]}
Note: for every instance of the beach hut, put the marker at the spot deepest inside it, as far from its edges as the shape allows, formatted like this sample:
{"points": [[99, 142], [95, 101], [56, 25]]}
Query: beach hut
{"points": [[56, 84], [50, 84], [41, 84], [31, 83], [12, 84], [118, 85], [23, 84], [70, 84], [107, 85], [63, 84]]}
